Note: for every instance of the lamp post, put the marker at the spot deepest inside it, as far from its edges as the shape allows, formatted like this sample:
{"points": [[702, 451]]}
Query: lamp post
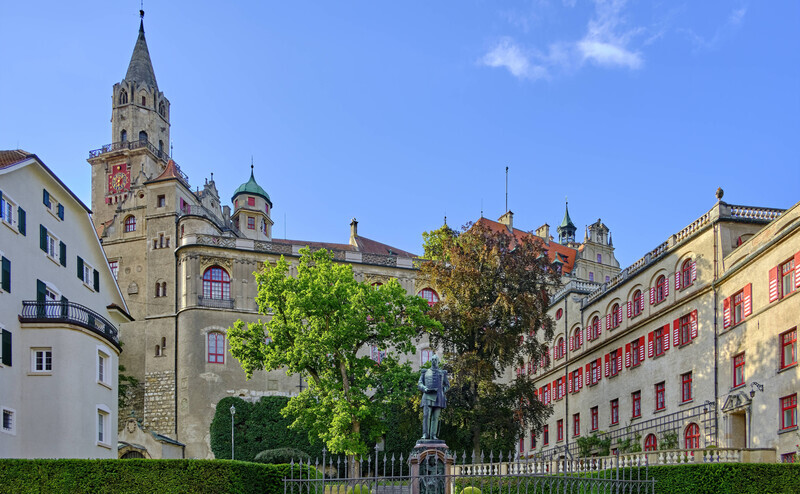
{"points": [[753, 386], [233, 412]]}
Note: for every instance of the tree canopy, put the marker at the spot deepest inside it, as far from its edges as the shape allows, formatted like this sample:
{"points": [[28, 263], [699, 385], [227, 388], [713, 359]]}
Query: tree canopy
{"points": [[493, 313], [322, 325]]}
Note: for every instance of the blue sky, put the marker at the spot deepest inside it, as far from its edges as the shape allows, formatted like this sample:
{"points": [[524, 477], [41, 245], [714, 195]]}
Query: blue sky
{"points": [[398, 113]]}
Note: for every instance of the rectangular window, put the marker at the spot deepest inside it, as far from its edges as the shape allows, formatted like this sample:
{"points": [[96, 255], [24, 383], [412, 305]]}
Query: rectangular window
{"points": [[788, 342], [559, 430], [686, 387], [216, 348], [251, 201], [615, 362], [737, 311], [614, 412], [87, 274], [738, 370], [576, 425], [5, 342], [41, 360], [52, 247], [789, 412], [546, 435], [595, 371], [103, 369], [9, 423], [114, 265], [789, 457], [533, 440], [685, 322], [7, 207], [787, 274], [595, 418], [591, 276], [635, 353], [636, 402], [658, 342], [162, 201], [102, 427], [661, 402], [251, 223]]}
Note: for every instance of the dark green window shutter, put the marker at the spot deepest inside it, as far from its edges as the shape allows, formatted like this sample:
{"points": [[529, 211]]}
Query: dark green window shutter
{"points": [[61, 211], [64, 307], [43, 238], [46, 197], [96, 281], [80, 269], [6, 347], [41, 289], [6, 276], [1, 204], [21, 220], [62, 250]]}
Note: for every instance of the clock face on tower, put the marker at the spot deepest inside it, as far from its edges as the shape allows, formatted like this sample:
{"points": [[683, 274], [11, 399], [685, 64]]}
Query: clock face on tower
{"points": [[119, 180]]}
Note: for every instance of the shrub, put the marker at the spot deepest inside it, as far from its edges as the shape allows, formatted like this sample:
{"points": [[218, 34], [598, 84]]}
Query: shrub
{"points": [[358, 489], [281, 455], [470, 490]]}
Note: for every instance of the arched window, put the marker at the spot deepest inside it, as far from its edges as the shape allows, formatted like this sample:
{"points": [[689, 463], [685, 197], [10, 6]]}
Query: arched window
{"points": [[594, 329], [216, 284], [123, 136], [216, 348], [576, 339], [130, 224], [686, 273], [430, 295], [158, 351], [123, 97], [650, 442], [143, 136], [559, 314], [661, 288], [637, 302], [162, 108], [560, 350], [616, 316], [377, 285], [691, 438]]}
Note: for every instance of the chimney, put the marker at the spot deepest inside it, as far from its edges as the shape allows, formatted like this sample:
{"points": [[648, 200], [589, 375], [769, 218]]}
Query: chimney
{"points": [[353, 232], [544, 232], [508, 220]]}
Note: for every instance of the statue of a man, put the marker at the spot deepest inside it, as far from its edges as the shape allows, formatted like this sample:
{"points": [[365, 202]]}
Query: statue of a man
{"points": [[434, 384]]}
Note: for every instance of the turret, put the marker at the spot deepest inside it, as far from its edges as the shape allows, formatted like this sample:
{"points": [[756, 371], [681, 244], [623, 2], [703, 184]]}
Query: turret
{"points": [[567, 229], [251, 210]]}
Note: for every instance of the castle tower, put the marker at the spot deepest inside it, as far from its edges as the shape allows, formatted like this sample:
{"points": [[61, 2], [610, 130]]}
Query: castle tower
{"points": [[139, 134], [251, 210], [567, 229]]}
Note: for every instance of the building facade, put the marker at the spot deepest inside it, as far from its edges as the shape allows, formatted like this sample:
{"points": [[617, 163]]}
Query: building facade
{"points": [[60, 310], [692, 345]]}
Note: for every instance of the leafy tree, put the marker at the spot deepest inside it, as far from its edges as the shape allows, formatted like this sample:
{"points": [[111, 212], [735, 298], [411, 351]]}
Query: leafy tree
{"points": [[321, 322], [493, 314]]}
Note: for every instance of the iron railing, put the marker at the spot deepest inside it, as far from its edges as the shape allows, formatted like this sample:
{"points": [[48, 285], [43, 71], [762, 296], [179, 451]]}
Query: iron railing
{"points": [[215, 303], [54, 311], [139, 144]]}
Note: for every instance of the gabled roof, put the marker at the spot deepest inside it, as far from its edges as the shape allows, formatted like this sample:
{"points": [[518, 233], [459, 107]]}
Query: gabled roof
{"points": [[13, 156], [364, 245], [554, 249], [170, 172], [140, 68]]}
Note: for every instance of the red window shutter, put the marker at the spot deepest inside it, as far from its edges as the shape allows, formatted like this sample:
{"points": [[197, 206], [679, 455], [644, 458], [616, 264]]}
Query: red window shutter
{"points": [[694, 270], [607, 364], [650, 344], [641, 303], [570, 384], [773, 284], [676, 329], [677, 280], [599, 368], [619, 358], [797, 270], [666, 286], [726, 313], [570, 344], [580, 377], [693, 324], [630, 309], [619, 314], [652, 295], [627, 355], [748, 300], [641, 348], [608, 321], [588, 368], [588, 332], [665, 335]]}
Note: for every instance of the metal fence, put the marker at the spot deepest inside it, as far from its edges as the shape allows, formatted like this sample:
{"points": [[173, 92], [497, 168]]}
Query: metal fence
{"points": [[467, 474]]}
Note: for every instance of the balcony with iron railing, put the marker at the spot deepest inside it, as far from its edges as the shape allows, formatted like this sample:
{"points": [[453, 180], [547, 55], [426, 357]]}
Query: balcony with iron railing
{"points": [[215, 303], [62, 312], [140, 144]]}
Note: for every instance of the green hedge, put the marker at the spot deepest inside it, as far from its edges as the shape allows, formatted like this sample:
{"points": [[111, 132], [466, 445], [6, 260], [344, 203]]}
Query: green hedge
{"points": [[135, 476]]}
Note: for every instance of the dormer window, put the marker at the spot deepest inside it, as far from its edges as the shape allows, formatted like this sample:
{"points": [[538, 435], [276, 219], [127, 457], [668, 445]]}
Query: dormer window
{"points": [[162, 108], [251, 201], [123, 97], [144, 101]]}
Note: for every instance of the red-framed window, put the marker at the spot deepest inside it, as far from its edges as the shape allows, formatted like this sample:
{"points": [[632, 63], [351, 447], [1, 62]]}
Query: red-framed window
{"points": [[559, 430], [130, 224], [650, 443], [430, 295], [738, 307], [789, 412], [533, 440], [636, 352], [521, 445], [788, 341], [786, 271], [216, 348], [661, 289], [686, 387], [686, 273], [636, 404], [561, 386], [616, 316], [738, 370], [560, 348], [638, 303], [614, 411], [615, 362], [576, 339], [251, 223], [251, 201], [576, 424], [789, 457], [559, 314], [658, 342], [691, 437], [216, 284], [546, 435], [594, 371], [425, 356], [595, 418], [685, 329], [661, 402], [594, 329]]}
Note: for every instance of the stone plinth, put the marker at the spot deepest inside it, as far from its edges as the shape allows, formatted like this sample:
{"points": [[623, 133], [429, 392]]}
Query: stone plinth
{"points": [[431, 467]]}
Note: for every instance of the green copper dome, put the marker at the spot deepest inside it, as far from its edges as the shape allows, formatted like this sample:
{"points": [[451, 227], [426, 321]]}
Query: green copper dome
{"points": [[252, 188]]}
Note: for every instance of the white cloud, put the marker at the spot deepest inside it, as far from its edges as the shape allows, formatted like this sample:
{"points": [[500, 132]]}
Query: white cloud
{"points": [[731, 25], [609, 54], [508, 55], [605, 42]]}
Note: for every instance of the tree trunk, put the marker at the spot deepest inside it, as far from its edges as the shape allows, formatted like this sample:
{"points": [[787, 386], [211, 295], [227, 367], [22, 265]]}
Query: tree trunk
{"points": [[354, 467]]}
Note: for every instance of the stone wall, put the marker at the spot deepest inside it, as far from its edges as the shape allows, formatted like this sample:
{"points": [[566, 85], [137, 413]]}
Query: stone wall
{"points": [[159, 402]]}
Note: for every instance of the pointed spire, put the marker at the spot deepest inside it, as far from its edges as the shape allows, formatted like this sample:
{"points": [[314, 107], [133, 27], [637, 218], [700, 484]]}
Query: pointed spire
{"points": [[141, 68], [567, 221]]}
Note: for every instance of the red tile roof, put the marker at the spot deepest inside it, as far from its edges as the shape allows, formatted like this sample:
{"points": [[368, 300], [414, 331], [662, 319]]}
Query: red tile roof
{"points": [[567, 254], [11, 157], [365, 246]]}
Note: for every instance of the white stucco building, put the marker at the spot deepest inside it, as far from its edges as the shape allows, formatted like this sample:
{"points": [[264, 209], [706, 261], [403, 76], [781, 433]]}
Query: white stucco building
{"points": [[60, 311]]}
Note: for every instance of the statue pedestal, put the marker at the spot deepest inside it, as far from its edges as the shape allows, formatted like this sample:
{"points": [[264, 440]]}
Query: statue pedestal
{"points": [[431, 467]]}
